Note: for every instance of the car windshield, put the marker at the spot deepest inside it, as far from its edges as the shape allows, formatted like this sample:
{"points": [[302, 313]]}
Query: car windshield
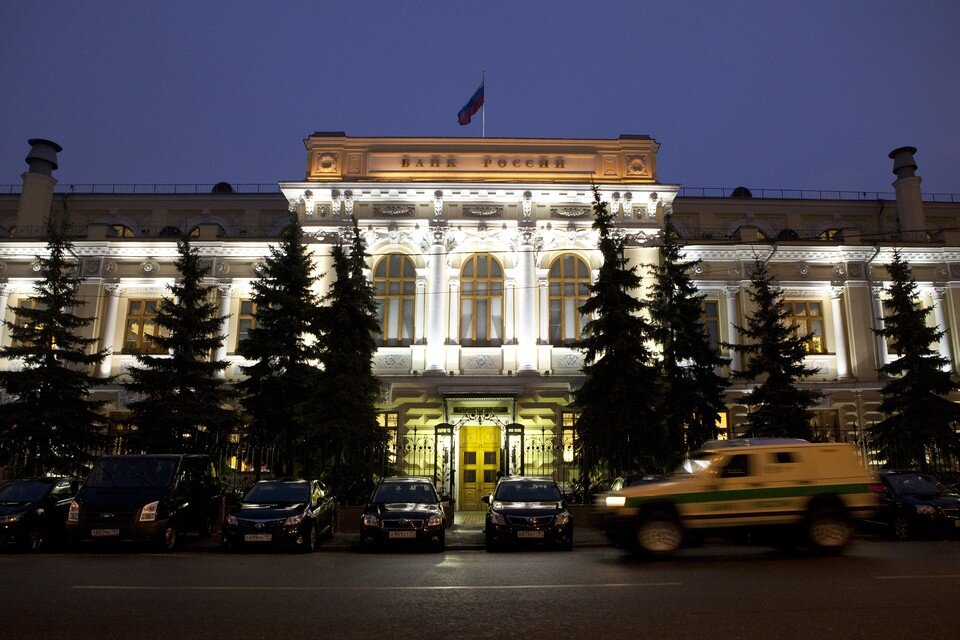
{"points": [[406, 492], [528, 491], [288, 492], [912, 483], [696, 463], [132, 472], [23, 491]]}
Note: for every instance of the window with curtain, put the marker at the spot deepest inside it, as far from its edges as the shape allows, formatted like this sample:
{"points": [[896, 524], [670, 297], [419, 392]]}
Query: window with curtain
{"points": [[481, 302], [395, 288], [808, 314], [246, 320], [569, 281], [711, 322], [140, 325]]}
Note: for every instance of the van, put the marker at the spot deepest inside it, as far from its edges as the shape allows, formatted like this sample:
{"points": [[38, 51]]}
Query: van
{"points": [[780, 486], [146, 498]]}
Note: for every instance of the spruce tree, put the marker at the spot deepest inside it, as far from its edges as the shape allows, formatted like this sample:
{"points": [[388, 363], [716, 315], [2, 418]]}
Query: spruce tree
{"points": [[348, 429], [920, 421], [773, 353], [692, 391], [619, 429], [282, 376], [182, 405], [49, 423]]}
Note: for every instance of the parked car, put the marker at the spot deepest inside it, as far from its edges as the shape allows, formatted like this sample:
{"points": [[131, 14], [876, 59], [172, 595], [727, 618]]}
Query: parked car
{"points": [[527, 510], [147, 498], [775, 487], [403, 510], [33, 511], [915, 504], [285, 513]]}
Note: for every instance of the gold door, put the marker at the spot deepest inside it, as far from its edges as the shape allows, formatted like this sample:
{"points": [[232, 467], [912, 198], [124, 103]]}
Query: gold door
{"points": [[479, 464]]}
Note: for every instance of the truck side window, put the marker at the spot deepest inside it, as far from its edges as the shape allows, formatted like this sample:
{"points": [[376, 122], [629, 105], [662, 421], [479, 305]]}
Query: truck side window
{"points": [[737, 467], [784, 457]]}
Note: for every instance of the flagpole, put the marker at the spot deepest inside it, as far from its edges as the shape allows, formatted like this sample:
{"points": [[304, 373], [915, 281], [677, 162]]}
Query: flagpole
{"points": [[483, 116]]}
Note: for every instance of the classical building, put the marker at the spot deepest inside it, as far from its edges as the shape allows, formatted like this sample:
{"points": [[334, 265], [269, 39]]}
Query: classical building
{"points": [[482, 251]]}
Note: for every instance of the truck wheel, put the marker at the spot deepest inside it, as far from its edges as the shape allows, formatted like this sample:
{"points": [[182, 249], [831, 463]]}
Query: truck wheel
{"points": [[658, 534], [828, 529]]}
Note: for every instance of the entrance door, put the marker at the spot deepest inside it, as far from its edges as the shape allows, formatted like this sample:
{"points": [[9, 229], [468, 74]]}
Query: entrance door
{"points": [[479, 464]]}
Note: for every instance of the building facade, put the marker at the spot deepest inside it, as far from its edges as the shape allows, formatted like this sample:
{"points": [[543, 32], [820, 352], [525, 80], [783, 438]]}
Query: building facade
{"points": [[481, 253]]}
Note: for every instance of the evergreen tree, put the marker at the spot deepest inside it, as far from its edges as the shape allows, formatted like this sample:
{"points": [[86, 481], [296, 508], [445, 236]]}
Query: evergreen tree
{"points": [[182, 405], [49, 423], [773, 353], [281, 376], [692, 391], [619, 428], [920, 421], [348, 429]]}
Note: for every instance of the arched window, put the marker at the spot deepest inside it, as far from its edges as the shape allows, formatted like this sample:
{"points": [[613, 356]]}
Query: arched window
{"points": [[395, 287], [121, 231], [481, 302], [569, 288]]}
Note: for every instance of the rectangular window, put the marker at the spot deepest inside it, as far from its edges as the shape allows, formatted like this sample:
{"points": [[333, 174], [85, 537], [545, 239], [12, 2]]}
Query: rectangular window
{"points": [[390, 421], [825, 424], [711, 322], [568, 434], [808, 315], [246, 320], [140, 326], [21, 321]]}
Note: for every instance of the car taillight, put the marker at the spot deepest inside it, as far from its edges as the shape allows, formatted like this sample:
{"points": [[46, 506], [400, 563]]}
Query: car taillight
{"points": [[877, 488], [74, 514]]}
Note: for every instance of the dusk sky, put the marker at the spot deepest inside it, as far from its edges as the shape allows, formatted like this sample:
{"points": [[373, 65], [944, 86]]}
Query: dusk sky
{"points": [[810, 94]]}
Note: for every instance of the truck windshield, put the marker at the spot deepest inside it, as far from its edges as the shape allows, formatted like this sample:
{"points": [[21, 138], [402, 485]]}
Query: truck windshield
{"points": [[696, 463], [132, 472]]}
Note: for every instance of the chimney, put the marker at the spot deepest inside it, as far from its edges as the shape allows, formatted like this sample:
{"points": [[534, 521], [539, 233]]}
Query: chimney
{"points": [[38, 182], [907, 186]]}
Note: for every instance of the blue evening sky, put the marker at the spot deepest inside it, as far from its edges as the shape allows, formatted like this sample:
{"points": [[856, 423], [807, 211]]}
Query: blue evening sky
{"points": [[771, 94]]}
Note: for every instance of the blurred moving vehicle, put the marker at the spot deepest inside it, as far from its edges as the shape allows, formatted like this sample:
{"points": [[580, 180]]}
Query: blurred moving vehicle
{"points": [[287, 513], [774, 486], [527, 510], [147, 498], [33, 511], [914, 504], [403, 510]]}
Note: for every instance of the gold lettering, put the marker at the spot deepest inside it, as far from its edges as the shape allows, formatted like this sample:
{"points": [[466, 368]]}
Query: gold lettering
{"points": [[451, 162], [501, 163], [404, 162], [544, 163], [529, 162], [559, 164], [419, 162], [486, 161], [434, 161]]}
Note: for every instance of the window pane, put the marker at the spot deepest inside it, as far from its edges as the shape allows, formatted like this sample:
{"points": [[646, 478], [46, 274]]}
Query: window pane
{"points": [[489, 457], [469, 457]]}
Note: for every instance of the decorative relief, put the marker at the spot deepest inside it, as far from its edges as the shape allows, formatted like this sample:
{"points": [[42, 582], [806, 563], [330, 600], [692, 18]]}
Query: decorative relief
{"points": [[569, 212], [636, 165], [149, 266], [567, 361], [735, 272], [836, 292], [348, 203], [393, 235], [482, 211], [354, 162], [222, 268], [942, 272], [527, 204], [802, 269], [35, 266], [3, 267], [840, 270], [393, 361], [91, 266], [698, 269], [803, 293], [627, 204], [438, 204], [394, 211], [326, 162], [481, 361], [259, 267], [855, 270]]}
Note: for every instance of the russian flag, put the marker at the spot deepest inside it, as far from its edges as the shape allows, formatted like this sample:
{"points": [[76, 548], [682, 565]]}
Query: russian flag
{"points": [[473, 105]]}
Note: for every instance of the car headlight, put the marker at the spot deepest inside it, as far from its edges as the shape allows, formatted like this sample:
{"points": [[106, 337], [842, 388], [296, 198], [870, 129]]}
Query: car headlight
{"points": [[435, 520], [148, 512], [926, 510], [497, 518], [370, 520], [616, 501], [11, 518], [293, 521], [74, 514], [232, 521], [562, 519]]}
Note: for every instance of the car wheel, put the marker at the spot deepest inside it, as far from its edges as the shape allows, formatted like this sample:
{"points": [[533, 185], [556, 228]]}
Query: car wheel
{"points": [[309, 544], [900, 529], [206, 528], [34, 541], [828, 529], [168, 539], [567, 545], [659, 534], [440, 544], [489, 544]]}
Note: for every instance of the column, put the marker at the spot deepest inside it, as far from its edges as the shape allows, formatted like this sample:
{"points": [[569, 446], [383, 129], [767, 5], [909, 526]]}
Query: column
{"points": [[109, 328], [221, 354], [876, 299], [419, 309], [543, 285], [527, 302], [436, 292], [733, 318], [509, 317], [943, 342], [4, 296], [453, 325], [840, 333]]}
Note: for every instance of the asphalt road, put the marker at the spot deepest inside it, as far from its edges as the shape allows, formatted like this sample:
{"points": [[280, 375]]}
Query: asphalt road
{"points": [[877, 590]]}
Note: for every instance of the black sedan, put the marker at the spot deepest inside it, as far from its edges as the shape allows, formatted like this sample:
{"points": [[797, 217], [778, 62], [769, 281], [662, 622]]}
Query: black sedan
{"points": [[33, 511], [527, 510], [915, 504], [285, 513], [403, 510]]}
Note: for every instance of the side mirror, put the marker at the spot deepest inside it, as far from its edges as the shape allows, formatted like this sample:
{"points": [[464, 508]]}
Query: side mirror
{"points": [[485, 499]]}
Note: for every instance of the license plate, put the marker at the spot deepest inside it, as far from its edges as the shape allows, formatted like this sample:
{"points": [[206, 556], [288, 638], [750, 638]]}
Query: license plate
{"points": [[104, 533], [529, 534], [402, 534], [258, 537]]}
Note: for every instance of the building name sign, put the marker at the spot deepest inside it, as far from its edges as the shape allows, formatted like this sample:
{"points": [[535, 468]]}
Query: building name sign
{"points": [[541, 162], [480, 163]]}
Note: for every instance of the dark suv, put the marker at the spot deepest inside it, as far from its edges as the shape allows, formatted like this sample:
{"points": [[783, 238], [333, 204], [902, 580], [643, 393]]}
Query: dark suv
{"points": [[403, 510], [527, 510], [147, 498]]}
